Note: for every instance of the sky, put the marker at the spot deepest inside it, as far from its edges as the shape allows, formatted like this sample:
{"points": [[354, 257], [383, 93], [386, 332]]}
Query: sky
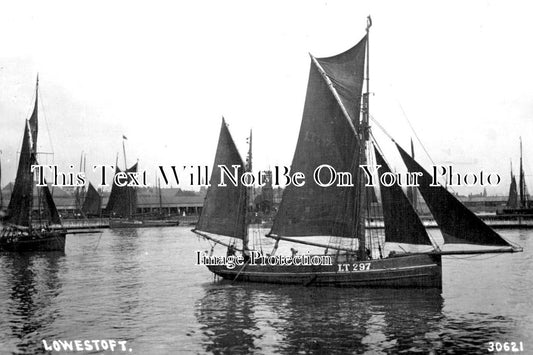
{"points": [[163, 73]]}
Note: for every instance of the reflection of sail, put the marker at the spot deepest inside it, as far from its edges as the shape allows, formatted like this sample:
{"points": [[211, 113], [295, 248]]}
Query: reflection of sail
{"points": [[227, 317], [33, 284]]}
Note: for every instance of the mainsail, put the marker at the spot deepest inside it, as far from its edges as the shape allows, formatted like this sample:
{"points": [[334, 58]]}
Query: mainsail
{"points": [[402, 224], [327, 136], [458, 224], [225, 206], [123, 199], [20, 205], [92, 203]]}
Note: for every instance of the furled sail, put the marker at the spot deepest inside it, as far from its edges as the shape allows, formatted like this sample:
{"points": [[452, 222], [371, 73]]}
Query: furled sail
{"points": [[458, 224], [402, 224], [22, 195], [123, 199], [224, 207], [326, 136], [92, 203]]}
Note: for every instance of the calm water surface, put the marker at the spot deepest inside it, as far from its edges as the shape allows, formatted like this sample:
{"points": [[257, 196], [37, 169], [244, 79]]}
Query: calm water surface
{"points": [[143, 286]]}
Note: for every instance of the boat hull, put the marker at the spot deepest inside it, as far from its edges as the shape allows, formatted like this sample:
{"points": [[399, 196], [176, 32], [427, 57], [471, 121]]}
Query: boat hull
{"points": [[42, 241], [417, 271], [117, 223]]}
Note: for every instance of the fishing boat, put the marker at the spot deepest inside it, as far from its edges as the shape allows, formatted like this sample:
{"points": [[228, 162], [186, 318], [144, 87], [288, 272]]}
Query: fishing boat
{"points": [[518, 203], [335, 130], [122, 206], [92, 204], [22, 231]]}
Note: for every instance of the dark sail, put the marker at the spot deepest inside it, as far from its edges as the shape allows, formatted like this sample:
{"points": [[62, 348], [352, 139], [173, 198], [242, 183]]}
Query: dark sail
{"points": [[326, 136], [411, 191], [346, 72], [34, 119], [92, 203], [458, 224], [512, 201], [402, 224], [49, 207], [123, 199], [224, 207], [22, 195]]}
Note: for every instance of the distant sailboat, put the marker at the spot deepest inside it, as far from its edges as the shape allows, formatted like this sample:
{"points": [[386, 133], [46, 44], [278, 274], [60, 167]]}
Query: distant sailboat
{"points": [[122, 205], [92, 204], [518, 203], [335, 130], [22, 231]]}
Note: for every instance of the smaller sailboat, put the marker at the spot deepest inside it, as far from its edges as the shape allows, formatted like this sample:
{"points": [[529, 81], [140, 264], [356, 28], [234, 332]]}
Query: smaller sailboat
{"points": [[22, 230], [92, 204], [122, 205], [518, 203]]}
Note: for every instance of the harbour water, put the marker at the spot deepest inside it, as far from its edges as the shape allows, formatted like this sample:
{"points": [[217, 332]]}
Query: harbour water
{"points": [[143, 287]]}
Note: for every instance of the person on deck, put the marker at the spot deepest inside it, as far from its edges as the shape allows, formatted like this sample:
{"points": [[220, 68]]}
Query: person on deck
{"points": [[231, 250]]}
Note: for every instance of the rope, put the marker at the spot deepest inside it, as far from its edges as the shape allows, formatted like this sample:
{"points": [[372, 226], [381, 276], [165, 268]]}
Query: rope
{"points": [[416, 135]]}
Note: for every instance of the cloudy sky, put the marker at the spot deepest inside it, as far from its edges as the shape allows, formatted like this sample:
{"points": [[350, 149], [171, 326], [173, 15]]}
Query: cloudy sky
{"points": [[163, 73]]}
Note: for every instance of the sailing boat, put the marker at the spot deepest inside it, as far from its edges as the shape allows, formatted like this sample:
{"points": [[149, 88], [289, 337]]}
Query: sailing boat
{"points": [[122, 204], [21, 231], [335, 130], [92, 205], [518, 203]]}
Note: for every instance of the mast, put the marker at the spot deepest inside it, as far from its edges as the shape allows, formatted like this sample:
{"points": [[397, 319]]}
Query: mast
{"points": [[247, 195], [124, 150], [160, 197], [126, 169], [361, 232], [522, 181]]}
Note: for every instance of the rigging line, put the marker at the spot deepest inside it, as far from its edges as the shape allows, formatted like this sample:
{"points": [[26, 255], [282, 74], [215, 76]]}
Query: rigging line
{"points": [[382, 128], [46, 124], [416, 135]]}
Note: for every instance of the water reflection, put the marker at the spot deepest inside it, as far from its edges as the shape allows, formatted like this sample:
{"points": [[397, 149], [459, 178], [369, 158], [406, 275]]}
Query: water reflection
{"points": [[227, 317], [235, 318], [33, 285], [123, 259]]}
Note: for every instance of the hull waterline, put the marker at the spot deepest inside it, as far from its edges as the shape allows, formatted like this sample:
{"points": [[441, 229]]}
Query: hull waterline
{"points": [[46, 241], [416, 271]]}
